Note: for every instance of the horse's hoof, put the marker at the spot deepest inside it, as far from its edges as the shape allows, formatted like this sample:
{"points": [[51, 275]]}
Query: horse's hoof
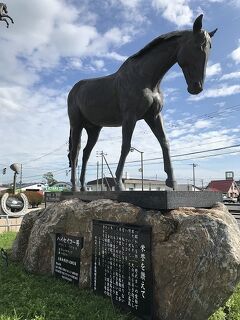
{"points": [[83, 189], [75, 189], [171, 184], [119, 187]]}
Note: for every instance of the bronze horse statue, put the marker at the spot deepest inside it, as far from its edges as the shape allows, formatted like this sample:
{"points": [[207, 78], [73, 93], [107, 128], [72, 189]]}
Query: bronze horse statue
{"points": [[3, 14], [132, 93]]}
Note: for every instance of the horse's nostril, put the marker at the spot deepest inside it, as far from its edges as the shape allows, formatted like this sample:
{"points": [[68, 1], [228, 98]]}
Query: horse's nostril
{"points": [[197, 85]]}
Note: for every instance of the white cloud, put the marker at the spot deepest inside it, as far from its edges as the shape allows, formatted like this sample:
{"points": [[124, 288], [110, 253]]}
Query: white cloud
{"points": [[221, 91], [38, 122], [220, 104], [213, 70], [76, 63], [42, 39], [99, 64], [115, 56], [232, 2], [131, 10], [173, 75], [170, 111], [175, 11], [232, 75], [235, 55], [200, 124]]}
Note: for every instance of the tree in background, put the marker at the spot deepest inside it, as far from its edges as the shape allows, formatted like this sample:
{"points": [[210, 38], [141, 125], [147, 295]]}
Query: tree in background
{"points": [[49, 178]]}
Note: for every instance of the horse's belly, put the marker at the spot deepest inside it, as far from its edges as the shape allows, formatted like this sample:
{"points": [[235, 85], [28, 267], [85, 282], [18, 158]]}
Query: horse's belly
{"points": [[98, 103], [101, 118], [101, 112]]}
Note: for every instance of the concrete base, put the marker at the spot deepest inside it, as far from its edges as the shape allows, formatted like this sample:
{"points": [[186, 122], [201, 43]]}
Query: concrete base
{"points": [[160, 200]]}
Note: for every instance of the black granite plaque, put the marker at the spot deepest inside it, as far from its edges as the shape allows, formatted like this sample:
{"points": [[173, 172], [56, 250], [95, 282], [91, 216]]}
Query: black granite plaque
{"points": [[52, 196], [67, 257], [121, 265]]}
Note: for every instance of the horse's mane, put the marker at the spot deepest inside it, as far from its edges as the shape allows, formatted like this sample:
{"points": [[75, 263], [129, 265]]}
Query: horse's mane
{"points": [[155, 42]]}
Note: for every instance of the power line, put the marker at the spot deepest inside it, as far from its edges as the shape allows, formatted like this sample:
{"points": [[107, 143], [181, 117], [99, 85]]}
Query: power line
{"points": [[207, 116], [146, 161], [177, 155], [47, 154]]}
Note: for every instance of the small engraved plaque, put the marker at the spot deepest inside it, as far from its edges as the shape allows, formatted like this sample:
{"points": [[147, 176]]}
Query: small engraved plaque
{"points": [[67, 257]]}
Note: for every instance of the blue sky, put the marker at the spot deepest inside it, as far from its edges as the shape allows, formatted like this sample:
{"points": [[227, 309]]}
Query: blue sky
{"points": [[54, 43]]}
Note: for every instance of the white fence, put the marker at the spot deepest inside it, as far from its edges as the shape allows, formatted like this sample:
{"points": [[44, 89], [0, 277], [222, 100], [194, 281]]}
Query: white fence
{"points": [[10, 223]]}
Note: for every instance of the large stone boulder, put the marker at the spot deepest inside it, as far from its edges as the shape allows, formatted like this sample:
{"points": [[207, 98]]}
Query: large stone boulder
{"points": [[195, 252]]}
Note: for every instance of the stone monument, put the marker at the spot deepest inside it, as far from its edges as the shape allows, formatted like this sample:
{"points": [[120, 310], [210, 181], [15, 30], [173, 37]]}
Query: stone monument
{"points": [[194, 254]]}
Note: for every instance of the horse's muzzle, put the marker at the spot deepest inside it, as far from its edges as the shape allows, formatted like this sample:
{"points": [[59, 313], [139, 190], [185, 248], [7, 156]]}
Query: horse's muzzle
{"points": [[195, 88]]}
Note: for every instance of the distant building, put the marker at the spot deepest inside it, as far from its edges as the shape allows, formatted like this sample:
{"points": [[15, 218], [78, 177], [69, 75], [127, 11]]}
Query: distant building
{"points": [[2, 189], [227, 187], [59, 186], [129, 184], [37, 186], [187, 187]]}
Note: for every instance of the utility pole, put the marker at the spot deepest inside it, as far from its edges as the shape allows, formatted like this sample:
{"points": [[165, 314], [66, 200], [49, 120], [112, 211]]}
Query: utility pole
{"points": [[97, 173], [21, 178], [109, 170], [102, 155], [194, 182], [141, 152]]}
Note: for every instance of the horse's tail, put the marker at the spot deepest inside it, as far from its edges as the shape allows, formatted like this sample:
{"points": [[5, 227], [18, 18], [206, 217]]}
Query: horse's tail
{"points": [[69, 148]]}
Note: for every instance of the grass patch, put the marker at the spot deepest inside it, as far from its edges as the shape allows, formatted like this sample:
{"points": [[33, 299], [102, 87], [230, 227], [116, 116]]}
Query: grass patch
{"points": [[6, 240], [25, 296]]}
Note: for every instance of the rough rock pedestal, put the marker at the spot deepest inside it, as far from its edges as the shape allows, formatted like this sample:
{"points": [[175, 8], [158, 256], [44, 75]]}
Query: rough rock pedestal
{"points": [[195, 252]]}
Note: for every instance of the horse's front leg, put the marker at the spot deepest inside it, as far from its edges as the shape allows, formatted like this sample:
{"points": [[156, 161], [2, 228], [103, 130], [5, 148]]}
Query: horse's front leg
{"points": [[155, 122], [127, 131]]}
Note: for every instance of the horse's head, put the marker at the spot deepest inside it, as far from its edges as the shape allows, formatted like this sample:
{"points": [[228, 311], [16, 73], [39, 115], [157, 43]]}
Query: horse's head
{"points": [[193, 54], [5, 8]]}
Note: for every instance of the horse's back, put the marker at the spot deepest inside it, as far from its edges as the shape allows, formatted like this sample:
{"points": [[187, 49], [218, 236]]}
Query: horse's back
{"points": [[97, 101]]}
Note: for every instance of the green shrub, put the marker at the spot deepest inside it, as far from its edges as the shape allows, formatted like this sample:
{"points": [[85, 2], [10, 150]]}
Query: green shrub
{"points": [[34, 198]]}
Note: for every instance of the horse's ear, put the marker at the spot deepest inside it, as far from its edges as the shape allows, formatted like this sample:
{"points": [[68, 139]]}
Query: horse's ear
{"points": [[197, 26], [212, 33]]}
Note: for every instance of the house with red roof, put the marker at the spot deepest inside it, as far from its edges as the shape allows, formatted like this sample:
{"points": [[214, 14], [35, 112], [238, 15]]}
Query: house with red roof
{"points": [[227, 187]]}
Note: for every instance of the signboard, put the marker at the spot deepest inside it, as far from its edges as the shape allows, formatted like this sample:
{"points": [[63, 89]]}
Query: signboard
{"points": [[67, 257], [52, 196], [66, 187], [121, 265]]}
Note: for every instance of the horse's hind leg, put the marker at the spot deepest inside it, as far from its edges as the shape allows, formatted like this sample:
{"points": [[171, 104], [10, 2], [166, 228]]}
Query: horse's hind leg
{"points": [[74, 151], [93, 134], [156, 124]]}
